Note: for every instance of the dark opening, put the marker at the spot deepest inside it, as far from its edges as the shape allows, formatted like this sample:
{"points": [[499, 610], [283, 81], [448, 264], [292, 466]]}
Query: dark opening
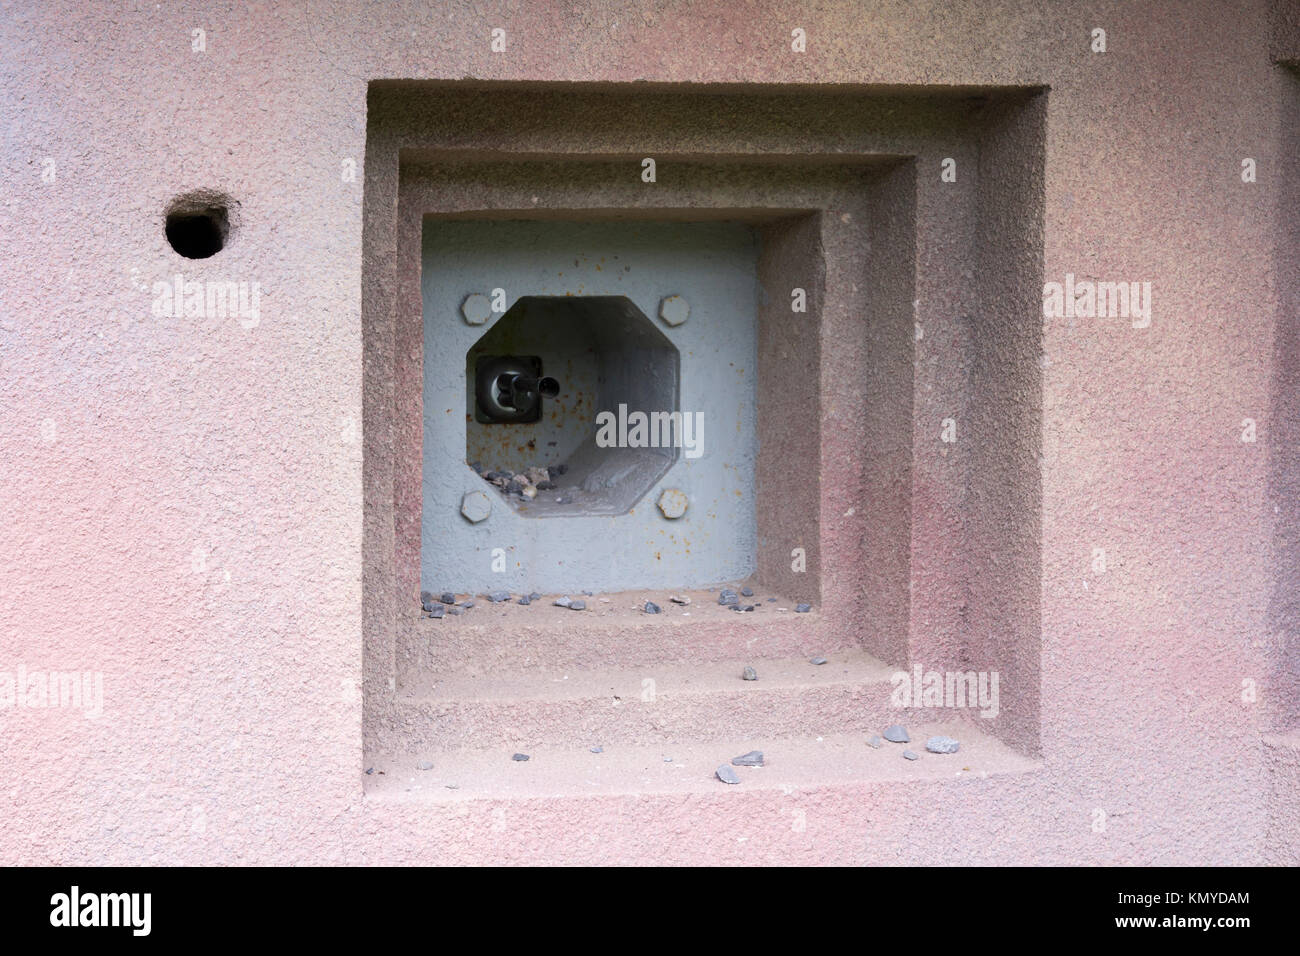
{"points": [[197, 227]]}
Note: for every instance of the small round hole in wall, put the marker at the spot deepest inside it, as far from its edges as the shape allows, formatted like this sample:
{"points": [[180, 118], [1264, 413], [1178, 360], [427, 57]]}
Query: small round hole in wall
{"points": [[198, 224]]}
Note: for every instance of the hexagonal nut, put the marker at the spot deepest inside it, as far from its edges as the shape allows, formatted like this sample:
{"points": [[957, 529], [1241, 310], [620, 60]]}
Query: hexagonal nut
{"points": [[673, 502], [674, 310], [477, 308], [475, 506]]}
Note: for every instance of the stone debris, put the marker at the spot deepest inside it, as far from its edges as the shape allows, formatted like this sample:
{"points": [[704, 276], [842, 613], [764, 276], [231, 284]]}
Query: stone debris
{"points": [[752, 759], [680, 599], [908, 755], [747, 592], [427, 605], [818, 661], [651, 607], [565, 601], [771, 600], [525, 484], [454, 609], [875, 743], [496, 597], [578, 606], [534, 596], [726, 774], [597, 750], [520, 757], [942, 745], [437, 611], [742, 607], [749, 674], [802, 608], [897, 734], [525, 600], [447, 598], [727, 596], [467, 604]]}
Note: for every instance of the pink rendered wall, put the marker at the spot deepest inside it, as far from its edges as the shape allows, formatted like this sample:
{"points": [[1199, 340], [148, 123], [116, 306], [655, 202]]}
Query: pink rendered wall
{"points": [[182, 501]]}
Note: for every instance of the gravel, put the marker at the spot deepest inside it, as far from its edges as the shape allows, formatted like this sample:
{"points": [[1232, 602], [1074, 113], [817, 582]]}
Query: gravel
{"points": [[447, 598], [908, 755], [752, 759], [747, 592], [597, 750], [802, 608], [818, 661], [726, 774], [520, 757], [897, 734], [525, 600], [578, 606], [728, 596], [496, 597], [651, 607], [749, 674], [565, 601], [942, 745], [437, 611]]}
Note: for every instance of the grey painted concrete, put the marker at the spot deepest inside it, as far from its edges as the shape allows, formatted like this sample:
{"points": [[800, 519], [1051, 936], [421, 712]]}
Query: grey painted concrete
{"points": [[551, 547]]}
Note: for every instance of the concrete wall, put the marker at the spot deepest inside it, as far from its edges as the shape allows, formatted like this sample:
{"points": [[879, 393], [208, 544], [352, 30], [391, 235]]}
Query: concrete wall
{"points": [[184, 502]]}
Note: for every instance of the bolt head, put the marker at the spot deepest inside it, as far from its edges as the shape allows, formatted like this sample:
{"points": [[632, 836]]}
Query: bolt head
{"points": [[476, 308], [673, 502], [674, 310], [475, 506]]}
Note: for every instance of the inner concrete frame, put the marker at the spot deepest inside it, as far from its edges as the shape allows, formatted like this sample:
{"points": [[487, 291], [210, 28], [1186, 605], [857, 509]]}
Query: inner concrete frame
{"points": [[923, 320]]}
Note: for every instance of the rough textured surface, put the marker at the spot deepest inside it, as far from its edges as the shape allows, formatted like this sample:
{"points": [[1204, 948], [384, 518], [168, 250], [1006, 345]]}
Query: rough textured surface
{"points": [[199, 481]]}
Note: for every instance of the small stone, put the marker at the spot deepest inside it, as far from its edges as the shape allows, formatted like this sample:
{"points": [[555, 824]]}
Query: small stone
{"points": [[726, 774], [771, 600], [519, 757], [818, 661], [534, 596], [455, 609], [749, 674], [467, 604], [437, 611], [427, 605], [546, 486], [942, 745], [752, 759], [563, 602], [447, 598], [525, 600], [597, 750], [425, 765], [516, 486], [908, 755], [875, 743], [747, 592], [529, 492], [426, 596], [802, 608], [560, 469], [727, 596], [680, 599], [578, 606], [370, 770], [897, 734], [651, 607], [496, 597]]}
